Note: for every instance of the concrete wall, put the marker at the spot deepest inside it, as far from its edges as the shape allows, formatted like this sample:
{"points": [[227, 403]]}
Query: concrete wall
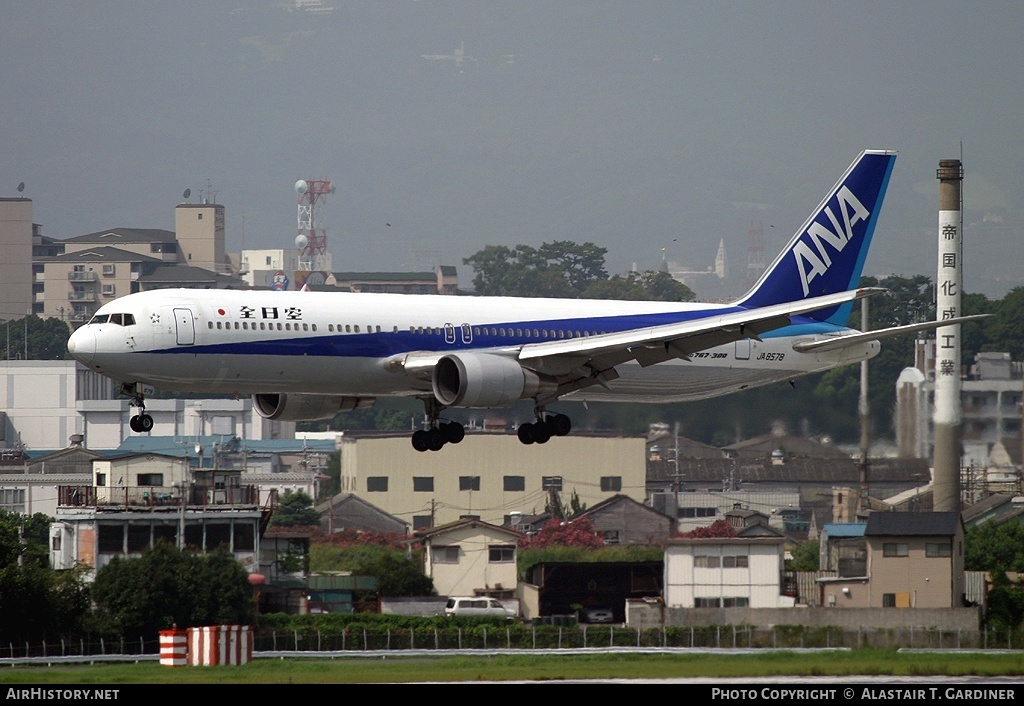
{"points": [[647, 615]]}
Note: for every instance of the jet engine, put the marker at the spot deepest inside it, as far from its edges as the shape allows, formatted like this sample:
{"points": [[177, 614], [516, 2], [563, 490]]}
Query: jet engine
{"points": [[304, 408], [485, 380]]}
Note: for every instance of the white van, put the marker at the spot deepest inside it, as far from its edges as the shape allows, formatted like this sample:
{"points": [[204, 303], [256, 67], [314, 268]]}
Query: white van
{"points": [[477, 606]]}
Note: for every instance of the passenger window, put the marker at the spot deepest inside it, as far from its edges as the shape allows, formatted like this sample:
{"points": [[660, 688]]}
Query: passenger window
{"points": [[357, 328]]}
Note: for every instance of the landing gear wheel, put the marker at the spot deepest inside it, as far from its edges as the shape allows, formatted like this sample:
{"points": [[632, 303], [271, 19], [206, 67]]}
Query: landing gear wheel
{"points": [[525, 433], [560, 424], [141, 423], [541, 432], [420, 440], [435, 439], [453, 432]]}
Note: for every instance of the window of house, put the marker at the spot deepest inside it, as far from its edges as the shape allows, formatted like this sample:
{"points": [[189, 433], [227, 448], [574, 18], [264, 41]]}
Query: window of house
{"points": [[422, 522], [888, 600], [610, 536], [706, 562], [150, 479], [501, 554], [423, 484], [936, 549], [733, 562], [515, 483], [686, 512], [737, 602], [706, 602], [377, 484], [469, 482], [895, 549], [111, 539], [551, 482], [244, 537], [446, 554], [12, 499], [611, 484]]}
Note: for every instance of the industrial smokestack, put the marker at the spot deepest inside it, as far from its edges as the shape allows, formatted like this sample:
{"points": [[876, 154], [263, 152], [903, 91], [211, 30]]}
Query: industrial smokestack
{"points": [[948, 283]]}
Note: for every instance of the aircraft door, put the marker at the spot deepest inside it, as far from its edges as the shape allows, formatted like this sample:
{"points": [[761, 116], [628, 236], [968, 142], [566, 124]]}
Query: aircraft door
{"points": [[467, 333], [185, 327], [449, 334]]}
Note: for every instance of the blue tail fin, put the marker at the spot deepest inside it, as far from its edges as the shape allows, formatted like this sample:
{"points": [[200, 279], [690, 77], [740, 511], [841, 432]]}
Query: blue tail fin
{"points": [[827, 254]]}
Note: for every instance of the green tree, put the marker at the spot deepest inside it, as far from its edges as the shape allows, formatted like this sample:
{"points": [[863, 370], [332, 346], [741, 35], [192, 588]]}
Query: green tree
{"points": [[640, 286], [565, 269], [805, 557], [47, 338], [294, 509], [994, 548], [398, 573], [165, 587]]}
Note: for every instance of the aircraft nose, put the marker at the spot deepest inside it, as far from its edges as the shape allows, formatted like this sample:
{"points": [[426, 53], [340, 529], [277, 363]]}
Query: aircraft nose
{"points": [[82, 345]]}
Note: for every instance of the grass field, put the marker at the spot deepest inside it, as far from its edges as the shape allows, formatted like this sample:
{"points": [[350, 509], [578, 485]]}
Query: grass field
{"points": [[486, 667]]}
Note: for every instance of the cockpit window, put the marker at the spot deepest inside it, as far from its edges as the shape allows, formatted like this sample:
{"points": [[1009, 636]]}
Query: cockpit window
{"points": [[119, 319]]}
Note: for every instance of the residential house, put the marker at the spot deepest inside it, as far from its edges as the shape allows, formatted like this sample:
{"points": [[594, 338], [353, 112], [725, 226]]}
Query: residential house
{"points": [[914, 560], [471, 558], [346, 511], [725, 573], [137, 500], [622, 520]]}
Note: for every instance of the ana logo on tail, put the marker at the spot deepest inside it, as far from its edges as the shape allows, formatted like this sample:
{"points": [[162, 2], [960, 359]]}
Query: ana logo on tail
{"points": [[812, 262]]}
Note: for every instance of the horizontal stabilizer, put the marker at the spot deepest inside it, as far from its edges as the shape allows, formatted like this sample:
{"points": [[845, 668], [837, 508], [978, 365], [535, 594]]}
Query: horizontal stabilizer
{"points": [[838, 342]]}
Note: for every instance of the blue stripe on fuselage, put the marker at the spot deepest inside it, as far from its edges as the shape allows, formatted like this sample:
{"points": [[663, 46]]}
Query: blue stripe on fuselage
{"points": [[384, 344]]}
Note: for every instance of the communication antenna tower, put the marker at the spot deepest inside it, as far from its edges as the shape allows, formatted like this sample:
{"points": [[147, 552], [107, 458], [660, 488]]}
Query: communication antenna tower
{"points": [[312, 238]]}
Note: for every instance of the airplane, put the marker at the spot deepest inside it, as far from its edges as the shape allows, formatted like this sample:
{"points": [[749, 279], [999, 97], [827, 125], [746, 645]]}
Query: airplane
{"points": [[306, 355]]}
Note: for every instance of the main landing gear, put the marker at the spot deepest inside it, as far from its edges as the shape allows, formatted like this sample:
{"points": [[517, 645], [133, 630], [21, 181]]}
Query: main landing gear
{"points": [[546, 426], [437, 433], [141, 423]]}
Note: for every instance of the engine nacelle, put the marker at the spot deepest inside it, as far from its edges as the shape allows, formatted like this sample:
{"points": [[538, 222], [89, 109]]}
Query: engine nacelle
{"points": [[305, 408], [485, 380]]}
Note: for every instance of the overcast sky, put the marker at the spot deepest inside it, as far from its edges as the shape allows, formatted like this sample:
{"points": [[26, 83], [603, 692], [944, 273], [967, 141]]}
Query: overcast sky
{"points": [[636, 125]]}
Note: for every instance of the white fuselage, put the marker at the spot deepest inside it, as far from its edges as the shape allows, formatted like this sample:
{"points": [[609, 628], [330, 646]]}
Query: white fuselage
{"points": [[250, 342]]}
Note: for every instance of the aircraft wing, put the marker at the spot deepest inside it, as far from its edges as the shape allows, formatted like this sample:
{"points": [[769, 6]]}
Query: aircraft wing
{"points": [[581, 362], [844, 340]]}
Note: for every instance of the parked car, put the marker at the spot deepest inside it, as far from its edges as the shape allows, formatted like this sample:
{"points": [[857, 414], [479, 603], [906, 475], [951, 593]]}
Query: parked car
{"points": [[477, 606], [598, 615]]}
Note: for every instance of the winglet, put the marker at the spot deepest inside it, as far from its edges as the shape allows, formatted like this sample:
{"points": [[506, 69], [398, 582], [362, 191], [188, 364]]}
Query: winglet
{"points": [[827, 254]]}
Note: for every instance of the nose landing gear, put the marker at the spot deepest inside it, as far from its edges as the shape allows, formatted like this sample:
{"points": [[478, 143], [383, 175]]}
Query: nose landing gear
{"points": [[141, 423]]}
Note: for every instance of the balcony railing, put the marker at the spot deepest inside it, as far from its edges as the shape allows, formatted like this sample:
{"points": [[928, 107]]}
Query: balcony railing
{"points": [[82, 276], [152, 497]]}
